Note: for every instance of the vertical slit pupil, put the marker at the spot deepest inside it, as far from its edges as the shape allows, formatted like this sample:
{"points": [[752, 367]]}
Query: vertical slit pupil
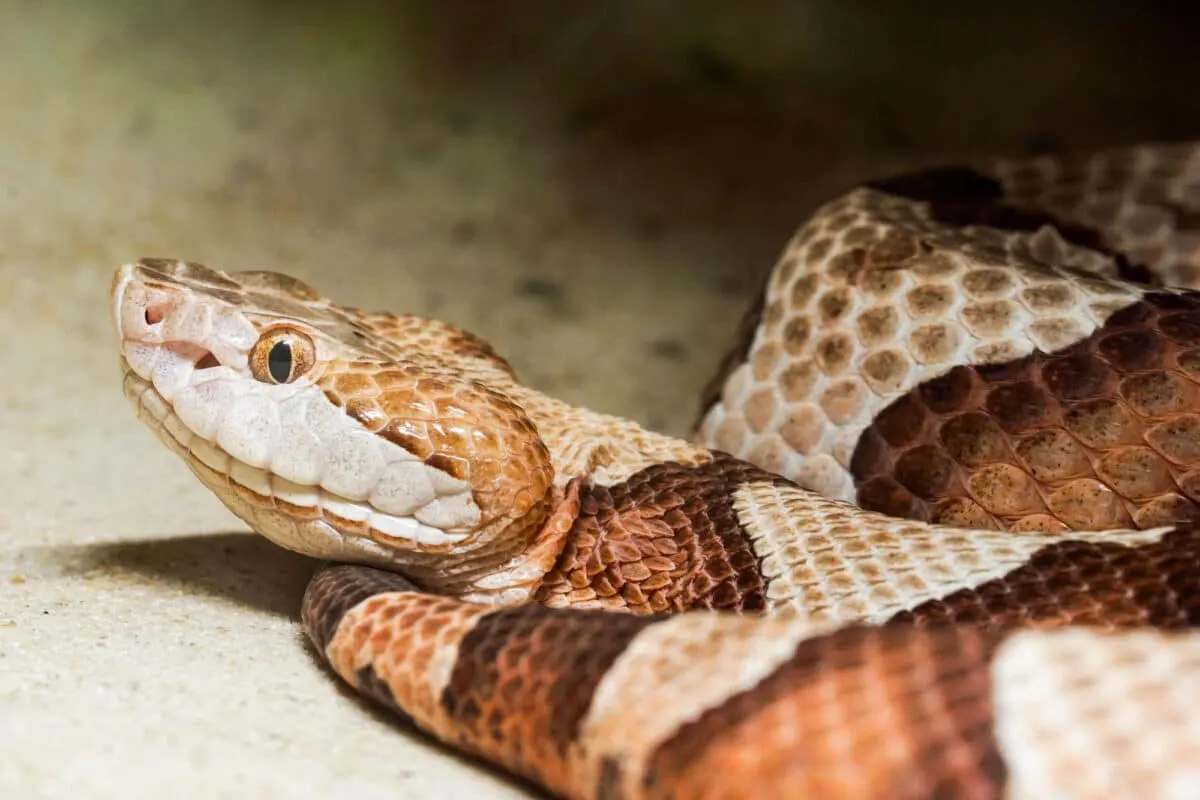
{"points": [[279, 361]]}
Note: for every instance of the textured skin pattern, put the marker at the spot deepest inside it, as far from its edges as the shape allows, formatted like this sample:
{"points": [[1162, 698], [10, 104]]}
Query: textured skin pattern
{"points": [[1050, 755], [823, 560], [591, 704], [1140, 201], [507, 466], [798, 744], [1098, 583], [964, 354], [1102, 434], [884, 289], [667, 539]]}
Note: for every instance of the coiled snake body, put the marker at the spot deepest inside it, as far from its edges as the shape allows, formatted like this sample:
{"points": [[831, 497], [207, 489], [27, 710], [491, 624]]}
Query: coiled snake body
{"points": [[960, 543]]}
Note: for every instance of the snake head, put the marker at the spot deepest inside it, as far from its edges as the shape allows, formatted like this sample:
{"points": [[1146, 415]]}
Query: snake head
{"points": [[337, 433]]}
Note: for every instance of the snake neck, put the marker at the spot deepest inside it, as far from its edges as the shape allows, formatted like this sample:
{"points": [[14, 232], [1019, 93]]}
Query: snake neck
{"points": [[590, 454], [599, 449], [642, 532]]}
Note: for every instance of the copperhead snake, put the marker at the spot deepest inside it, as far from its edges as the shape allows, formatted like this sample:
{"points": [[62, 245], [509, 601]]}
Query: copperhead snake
{"points": [[946, 517]]}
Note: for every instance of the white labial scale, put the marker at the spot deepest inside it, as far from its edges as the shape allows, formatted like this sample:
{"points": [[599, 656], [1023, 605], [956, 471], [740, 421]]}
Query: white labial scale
{"points": [[303, 495], [256, 480], [394, 527], [172, 372], [299, 454], [177, 429], [323, 418], [404, 487], [249, 429], [451, 512], [354, 512], [132, 386], [354, 463], [409, 528], [434, 536], [398, 527], [202, 405], [142, 358], [444, 484], [151, 403], [210, 455]]}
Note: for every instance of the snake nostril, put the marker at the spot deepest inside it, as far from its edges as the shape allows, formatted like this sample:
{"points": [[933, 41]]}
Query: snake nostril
{"points": [[154, 315]]}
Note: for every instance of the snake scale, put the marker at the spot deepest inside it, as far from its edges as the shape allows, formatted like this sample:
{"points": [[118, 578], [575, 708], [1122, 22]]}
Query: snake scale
{"points": [[935, 529]]}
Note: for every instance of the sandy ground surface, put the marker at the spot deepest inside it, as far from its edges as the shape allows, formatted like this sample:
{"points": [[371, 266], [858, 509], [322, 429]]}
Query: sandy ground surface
{"points": [[596, 192]]}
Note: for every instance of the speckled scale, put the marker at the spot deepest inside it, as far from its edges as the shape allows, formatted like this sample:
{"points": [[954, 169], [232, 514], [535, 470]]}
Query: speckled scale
{"points": [[458, 426], [667, 539], [524, 678], [1083, 583], [892, 683], [1105, 433], [895, 283]]}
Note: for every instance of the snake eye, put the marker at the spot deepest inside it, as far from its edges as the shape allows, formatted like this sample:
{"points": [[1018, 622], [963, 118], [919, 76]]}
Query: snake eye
{"points": [[281, 355]]}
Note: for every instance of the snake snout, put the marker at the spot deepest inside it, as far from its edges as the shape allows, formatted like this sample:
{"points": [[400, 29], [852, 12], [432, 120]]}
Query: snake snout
{"points": [[142, 309], [168, 333]]}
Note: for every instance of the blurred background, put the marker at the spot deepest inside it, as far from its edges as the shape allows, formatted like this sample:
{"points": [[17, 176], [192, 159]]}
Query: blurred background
{"points": [[597, 188]]}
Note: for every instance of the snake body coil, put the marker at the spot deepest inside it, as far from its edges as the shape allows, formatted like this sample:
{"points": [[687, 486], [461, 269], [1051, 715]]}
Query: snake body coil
{"points": [[951, 496]]}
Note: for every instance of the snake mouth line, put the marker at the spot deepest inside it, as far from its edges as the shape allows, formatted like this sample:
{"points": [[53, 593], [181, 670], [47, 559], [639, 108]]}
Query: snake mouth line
{"points": [[301, 502]]}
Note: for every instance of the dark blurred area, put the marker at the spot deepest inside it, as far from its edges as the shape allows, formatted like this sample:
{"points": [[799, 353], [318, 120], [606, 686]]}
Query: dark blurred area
{"points": [[596, 188], [743, 114], [769, 105]]}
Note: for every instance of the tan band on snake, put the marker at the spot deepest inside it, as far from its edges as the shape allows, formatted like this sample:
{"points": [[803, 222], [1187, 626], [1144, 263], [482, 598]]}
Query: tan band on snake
{"points": [[959, 558]]}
